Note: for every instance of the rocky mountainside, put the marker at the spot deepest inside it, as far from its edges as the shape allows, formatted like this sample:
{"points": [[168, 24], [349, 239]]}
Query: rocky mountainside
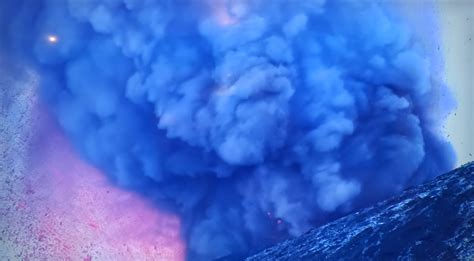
{"points": [[433, 221]]}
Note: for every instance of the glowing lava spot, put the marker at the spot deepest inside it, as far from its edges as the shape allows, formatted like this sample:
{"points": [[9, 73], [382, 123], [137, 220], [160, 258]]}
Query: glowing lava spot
{"points": [[52, 38]]}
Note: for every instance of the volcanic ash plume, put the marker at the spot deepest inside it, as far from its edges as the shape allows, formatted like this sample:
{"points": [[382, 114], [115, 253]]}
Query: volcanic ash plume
{"points": [[252, 120]]}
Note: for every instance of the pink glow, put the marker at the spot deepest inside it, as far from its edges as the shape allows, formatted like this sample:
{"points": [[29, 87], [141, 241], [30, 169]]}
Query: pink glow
{"points": [[82, 216], [222, 15]]}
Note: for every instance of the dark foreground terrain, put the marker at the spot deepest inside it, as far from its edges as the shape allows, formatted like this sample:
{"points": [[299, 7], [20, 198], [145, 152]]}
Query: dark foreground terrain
{"points": [[434, 221]]}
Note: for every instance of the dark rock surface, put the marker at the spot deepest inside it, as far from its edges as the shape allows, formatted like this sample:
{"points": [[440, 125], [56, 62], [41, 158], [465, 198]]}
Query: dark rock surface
{"points": [[433, 221]]}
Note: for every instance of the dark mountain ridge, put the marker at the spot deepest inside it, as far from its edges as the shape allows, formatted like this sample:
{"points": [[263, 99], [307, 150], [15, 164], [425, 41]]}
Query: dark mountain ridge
{"points": [[433, 221]]}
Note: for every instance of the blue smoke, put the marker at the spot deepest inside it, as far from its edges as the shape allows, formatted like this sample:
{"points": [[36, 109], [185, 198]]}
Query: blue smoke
{"points": [[252, 120]]}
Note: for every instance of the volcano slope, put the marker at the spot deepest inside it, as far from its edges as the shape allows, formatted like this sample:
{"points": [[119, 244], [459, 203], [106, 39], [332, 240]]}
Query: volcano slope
{"points": [[433, 221]]}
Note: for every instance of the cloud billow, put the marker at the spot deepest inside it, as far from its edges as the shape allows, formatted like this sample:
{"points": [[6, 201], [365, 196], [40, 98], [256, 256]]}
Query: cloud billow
{"points": [[252, 120]]}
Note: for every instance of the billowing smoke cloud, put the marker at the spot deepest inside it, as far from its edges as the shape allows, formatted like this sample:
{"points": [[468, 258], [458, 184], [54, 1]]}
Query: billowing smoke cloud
{"points": [[253, 120]]}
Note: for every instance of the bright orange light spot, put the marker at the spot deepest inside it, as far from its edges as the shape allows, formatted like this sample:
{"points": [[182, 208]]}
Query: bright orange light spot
{"points": [[52, 38]]}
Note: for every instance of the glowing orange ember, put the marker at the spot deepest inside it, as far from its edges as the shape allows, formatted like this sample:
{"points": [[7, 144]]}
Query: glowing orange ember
{"points": [[52, 38]]}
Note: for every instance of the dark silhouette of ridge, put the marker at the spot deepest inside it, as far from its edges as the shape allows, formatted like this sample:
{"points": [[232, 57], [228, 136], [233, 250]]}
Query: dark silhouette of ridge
{"points": [[433, 221]]}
